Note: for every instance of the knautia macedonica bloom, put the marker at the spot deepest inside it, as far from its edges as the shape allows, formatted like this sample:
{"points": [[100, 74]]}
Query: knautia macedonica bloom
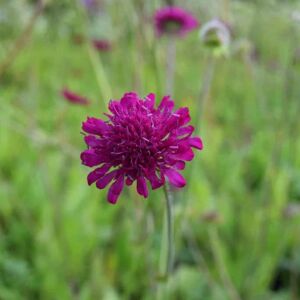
{"points": [[174, 20], [139, 142], [74, 98], [215, 34]]}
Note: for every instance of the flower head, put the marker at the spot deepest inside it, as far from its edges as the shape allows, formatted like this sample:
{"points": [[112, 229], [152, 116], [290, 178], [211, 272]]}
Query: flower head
{"points": [[139, 142], [102, 45], [74, 98], [215, 34], [174, 20]]}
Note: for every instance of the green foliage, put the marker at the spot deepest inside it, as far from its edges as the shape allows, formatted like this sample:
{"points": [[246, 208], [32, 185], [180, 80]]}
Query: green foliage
{"points": [[237, 221]]}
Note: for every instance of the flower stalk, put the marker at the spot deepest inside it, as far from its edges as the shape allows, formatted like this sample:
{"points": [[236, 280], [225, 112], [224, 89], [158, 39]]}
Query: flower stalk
{"points": [[205, 88], [171, 64], [167, 246], [100, 74], [95, 60], [170, 231]]}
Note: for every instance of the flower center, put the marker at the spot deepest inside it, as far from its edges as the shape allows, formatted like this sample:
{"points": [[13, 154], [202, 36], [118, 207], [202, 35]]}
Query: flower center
{"points": [[134, 146]]}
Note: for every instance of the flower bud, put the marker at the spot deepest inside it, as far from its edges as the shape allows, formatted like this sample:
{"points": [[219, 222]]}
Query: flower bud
{"points": [[216, 35]]}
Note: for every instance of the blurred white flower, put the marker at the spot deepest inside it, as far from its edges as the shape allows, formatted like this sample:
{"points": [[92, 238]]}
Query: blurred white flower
{"points": [[215, 34]]}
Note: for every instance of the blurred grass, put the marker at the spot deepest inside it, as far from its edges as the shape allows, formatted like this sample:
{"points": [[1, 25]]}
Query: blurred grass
{"points": [[237, 222]]}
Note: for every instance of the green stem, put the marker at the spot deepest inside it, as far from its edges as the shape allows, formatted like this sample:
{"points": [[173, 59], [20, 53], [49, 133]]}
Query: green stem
{"points": [[221, 265], [170, 234], [101, 77], [170, 68], [100, 74], [208, 76], [207, 79], [167, 247]]}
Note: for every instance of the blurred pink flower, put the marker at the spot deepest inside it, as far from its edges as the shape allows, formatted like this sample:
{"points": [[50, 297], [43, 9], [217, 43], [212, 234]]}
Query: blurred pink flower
{"points": [[139, 142], [215, 33], [102, 45], [174, 20], [74, 98]]}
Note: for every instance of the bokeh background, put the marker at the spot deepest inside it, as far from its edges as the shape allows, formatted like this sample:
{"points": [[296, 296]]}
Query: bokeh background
{"points": [[236, 222]]}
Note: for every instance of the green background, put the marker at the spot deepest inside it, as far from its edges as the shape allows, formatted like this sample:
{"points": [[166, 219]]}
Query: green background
{"points": [[237, 220]]}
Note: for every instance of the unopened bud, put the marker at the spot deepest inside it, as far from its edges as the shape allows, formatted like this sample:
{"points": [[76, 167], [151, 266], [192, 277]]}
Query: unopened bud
{"points": [[216, 35]]}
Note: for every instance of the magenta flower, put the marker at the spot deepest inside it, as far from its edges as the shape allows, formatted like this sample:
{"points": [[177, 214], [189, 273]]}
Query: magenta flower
{"points": [[139, 142], [174, 20], [102, 45], [74, 98]]}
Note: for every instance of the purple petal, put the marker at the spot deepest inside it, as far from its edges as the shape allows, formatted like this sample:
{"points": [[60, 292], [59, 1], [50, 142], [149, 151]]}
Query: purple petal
{"points": [[150, 100], [175, 178], [166, 104], [114, 106], [179, 165], [115, 190], [188, 130], [196, 142], [184, 115], [129, 100], [155, 181], [97, 173], [90, 158], [141, 186], [91, 141], [187, 155], [106, 179], [94, 126]]}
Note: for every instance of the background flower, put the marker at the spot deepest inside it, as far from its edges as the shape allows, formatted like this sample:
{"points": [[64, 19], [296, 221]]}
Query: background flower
{"points": [[74, 98], [215, 33], [102, 45], [174, 20]]}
